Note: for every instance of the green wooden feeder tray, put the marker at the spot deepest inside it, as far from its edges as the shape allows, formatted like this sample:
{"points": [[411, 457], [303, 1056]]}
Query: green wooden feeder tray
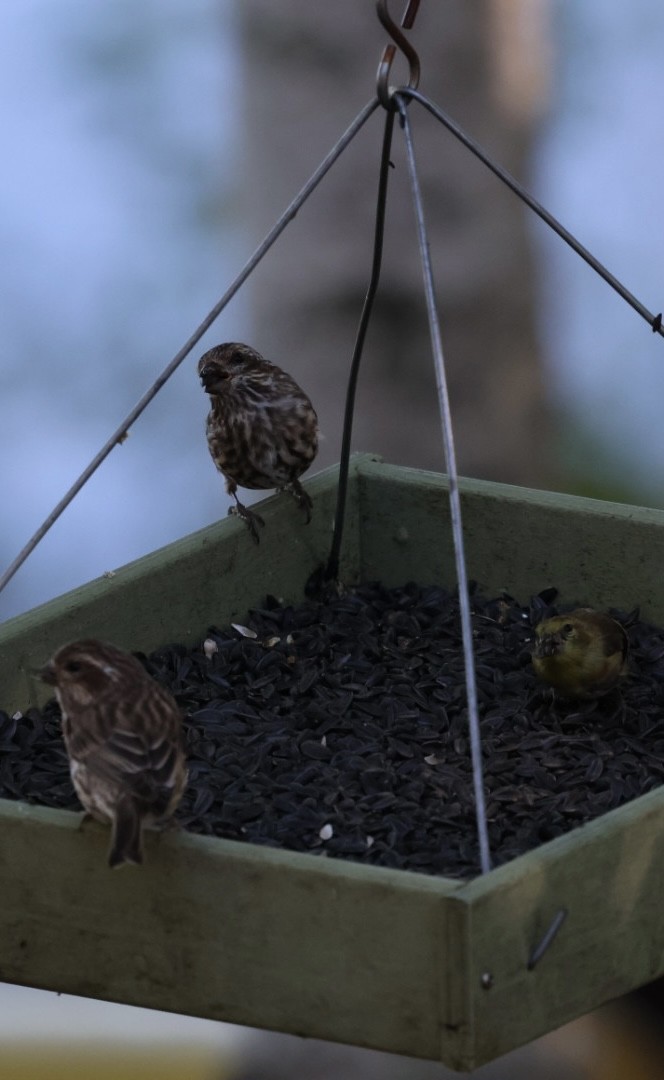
{"points": [[398, 961]]}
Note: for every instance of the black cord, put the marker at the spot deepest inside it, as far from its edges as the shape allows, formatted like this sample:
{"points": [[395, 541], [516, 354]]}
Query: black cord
{"points": [[331, 571]]}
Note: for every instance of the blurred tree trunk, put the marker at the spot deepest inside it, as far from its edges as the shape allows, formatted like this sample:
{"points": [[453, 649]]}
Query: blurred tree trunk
{"points": [[310, 67]]}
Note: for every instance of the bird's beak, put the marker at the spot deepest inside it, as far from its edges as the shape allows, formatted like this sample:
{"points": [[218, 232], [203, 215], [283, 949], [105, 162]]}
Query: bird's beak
{"points": [[548, 645], [47, 674], [212, 378]]}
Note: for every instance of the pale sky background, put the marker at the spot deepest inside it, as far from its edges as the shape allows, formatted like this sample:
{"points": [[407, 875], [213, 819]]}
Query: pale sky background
{"points": [[116, 219], [600, 170]]}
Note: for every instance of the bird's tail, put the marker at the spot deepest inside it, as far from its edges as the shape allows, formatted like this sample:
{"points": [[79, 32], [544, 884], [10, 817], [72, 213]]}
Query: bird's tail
{"points": [[126, 845]]}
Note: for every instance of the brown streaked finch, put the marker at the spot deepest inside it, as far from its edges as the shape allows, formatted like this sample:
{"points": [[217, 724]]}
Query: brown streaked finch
{"points": [[262, 430], [582, 655], [123, 735]]}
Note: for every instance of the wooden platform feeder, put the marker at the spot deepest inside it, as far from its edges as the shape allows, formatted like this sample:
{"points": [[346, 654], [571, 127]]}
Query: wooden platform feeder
{"points": [[398, 961]]}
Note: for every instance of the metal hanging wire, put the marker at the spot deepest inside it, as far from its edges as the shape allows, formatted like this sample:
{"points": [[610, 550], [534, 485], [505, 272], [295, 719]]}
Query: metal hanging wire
{"points": [[386, 94], [392, 103], [455, 502], [120, 434], [654, 321]]}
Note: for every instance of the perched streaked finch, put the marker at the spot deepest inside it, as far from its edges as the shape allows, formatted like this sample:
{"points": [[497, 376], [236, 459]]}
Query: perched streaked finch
{"points": [[582, 654], [262, 430], [123, 734]]}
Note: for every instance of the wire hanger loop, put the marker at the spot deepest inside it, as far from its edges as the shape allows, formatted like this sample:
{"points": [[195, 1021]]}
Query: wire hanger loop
{"points": [[401, 42]]}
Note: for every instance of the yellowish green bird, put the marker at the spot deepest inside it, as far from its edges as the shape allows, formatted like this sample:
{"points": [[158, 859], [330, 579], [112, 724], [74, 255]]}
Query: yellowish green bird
{"points": [[583, 654]]}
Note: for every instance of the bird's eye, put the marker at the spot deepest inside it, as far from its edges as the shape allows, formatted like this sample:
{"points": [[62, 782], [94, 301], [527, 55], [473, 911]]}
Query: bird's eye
{"points": [[73, 667], [567, 629]]}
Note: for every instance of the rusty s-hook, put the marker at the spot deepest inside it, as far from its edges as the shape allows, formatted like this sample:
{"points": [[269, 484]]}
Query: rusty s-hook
{"points": [[389, 52]]}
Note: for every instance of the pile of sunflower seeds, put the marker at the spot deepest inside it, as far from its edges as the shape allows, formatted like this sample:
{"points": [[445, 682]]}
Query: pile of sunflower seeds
{"points": [[340, 729]]}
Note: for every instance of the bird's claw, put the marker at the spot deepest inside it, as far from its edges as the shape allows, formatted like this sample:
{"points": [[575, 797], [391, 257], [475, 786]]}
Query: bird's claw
{"points": [[302, 497], [85, 820], [306, 504], [250, 518]]}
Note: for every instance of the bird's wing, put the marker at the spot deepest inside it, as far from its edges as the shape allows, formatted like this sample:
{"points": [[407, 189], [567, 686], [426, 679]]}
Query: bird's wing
{"points": [[124, 745], [616, 640]]}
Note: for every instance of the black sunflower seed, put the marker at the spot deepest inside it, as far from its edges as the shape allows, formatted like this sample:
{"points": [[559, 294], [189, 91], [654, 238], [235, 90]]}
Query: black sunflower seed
{"points": [[356, 719]]}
